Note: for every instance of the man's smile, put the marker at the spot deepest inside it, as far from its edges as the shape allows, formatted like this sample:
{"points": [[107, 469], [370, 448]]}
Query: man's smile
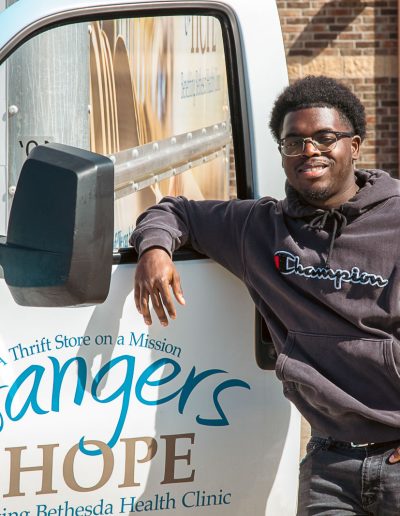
{"points": [[313, 168]]}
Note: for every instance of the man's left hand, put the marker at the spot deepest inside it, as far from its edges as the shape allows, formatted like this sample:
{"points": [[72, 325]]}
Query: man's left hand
{"points": [[395, 457]]}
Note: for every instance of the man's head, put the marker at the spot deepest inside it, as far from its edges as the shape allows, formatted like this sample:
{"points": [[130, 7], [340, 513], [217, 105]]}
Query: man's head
{"points": [[319, 125]]}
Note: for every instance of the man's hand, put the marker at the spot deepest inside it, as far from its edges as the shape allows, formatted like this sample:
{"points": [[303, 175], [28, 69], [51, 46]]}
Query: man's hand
{"points": [[395, 457], [155, 274]]}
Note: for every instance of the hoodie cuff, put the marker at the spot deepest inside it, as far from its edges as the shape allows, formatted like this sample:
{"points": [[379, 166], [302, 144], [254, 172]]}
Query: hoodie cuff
{"points": [[153, 237]]}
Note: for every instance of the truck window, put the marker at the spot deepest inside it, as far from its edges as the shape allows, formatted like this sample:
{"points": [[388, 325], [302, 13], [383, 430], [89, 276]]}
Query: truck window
{"points": [[149, 92]]}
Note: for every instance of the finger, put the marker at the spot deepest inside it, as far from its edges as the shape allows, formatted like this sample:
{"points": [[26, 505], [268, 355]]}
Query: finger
{"points": [[395, 457], [166, 297], [177, 289], [144, 307], [158, 307], [137, 298]]}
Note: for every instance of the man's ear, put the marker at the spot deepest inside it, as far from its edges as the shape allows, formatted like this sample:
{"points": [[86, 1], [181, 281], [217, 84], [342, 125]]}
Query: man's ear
{"points": [[355, 147]]}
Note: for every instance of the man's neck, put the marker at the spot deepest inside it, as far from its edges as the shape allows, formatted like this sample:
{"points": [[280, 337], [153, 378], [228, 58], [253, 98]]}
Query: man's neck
{"points": [[335, 201]]}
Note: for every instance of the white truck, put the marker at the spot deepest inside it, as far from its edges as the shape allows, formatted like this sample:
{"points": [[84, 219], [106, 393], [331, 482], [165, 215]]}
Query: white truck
{"points": [[106, 106]]}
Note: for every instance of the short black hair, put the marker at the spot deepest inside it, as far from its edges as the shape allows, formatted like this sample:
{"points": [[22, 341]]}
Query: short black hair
{"points": [[318, 91]]}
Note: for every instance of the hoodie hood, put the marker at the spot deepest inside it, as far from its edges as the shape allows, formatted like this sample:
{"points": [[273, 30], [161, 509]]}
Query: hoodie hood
{"points": [[334, 220], [366, 198]]}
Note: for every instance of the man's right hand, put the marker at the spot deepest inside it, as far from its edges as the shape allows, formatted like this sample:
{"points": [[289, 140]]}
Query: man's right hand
{"points": [[155, 276]]}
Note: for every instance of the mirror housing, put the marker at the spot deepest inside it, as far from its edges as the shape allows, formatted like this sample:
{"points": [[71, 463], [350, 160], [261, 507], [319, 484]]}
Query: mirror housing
{"points": [[59, 245]]}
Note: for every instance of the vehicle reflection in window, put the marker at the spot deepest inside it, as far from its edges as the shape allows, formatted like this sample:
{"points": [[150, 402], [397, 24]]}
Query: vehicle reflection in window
{"points": [[149, 92], [160, 80]]}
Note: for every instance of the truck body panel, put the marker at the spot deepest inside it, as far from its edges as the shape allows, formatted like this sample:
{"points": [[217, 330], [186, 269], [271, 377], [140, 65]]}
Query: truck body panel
{"points": [[99, 413]]}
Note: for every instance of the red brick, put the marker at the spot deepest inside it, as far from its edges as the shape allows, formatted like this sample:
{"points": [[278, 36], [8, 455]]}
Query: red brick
{"points": [[331, 52], [351, 35], [325, 20], [299, 5], [290, 13], [340, 12], [366, 27], [382, 4], [297, 21], [386, 52], [343, 44], [355, 52], [306, 53], [345, 20], [367, 44], [323, 36], [388, 12], [315, 44], [290, 28]]}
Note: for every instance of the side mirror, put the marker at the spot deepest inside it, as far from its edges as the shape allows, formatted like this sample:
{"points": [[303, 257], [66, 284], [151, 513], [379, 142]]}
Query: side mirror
{"points": [[58, 250]]}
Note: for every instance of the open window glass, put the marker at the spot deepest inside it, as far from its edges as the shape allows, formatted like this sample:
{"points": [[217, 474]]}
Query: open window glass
{"points": [[151, 93]]}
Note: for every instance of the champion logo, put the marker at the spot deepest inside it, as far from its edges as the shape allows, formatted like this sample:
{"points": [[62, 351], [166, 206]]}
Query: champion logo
{"points": [[288, 263]]}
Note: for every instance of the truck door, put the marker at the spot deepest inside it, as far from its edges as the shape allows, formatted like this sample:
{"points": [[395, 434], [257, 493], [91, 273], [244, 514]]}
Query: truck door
{"points": [[100, 414]]}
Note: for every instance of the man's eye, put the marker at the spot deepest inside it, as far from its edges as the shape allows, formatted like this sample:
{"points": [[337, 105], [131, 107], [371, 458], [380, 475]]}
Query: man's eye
{"points": [[325, 139], [293, 143]]}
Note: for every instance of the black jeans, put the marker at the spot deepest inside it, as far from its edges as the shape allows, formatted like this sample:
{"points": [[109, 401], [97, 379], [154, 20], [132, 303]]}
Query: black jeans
{"points": [[338, 480]]}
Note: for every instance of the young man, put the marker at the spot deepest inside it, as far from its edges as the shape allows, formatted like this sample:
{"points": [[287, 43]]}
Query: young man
{"points": [[322, 266]]}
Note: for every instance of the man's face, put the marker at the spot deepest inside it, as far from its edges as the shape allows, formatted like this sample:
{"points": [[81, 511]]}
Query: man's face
{"points": [[323, 179]]}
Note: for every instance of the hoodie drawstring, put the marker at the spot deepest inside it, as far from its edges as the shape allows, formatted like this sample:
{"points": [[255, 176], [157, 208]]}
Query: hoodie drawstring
{"points": [[339, 223]]}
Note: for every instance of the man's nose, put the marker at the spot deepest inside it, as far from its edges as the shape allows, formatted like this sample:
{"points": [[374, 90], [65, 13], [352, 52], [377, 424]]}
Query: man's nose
{"points": [[310, 149]]}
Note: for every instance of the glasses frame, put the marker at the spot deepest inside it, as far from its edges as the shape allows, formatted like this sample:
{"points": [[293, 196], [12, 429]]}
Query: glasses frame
{"points": [[338, 134]]}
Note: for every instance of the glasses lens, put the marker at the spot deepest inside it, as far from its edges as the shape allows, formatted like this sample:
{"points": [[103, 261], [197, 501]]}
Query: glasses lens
{"points": [[325, 141], [292, 146]]}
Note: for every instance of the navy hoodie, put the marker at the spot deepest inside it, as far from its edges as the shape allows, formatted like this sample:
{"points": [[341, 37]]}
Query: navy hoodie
{"points": [[327, 283]]}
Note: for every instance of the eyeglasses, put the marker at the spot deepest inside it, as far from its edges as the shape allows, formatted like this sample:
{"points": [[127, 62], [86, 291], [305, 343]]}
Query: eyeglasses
{"points": [[324, 141]]}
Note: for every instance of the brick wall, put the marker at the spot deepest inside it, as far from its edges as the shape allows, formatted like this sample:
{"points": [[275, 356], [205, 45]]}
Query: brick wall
{"points": [[354, 41]]}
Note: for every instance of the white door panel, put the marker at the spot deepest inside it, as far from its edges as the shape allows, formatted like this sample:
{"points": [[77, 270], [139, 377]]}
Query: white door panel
{"points": [[237, 462]]}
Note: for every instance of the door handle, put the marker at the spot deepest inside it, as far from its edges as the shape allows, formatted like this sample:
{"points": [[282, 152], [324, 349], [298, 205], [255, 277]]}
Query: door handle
{"points": [[265, 350]]}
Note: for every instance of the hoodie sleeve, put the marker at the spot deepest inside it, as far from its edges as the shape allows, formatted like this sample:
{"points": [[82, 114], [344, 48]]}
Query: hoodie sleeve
{"points": [[213, 228]]}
